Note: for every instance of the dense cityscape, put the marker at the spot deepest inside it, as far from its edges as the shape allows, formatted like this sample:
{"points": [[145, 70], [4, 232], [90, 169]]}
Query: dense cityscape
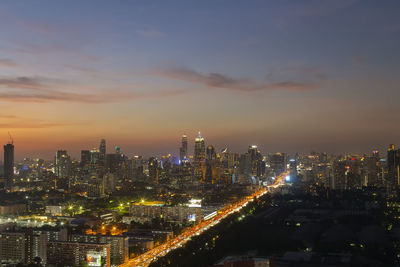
{"points": [[176, 133], [110, 209]]}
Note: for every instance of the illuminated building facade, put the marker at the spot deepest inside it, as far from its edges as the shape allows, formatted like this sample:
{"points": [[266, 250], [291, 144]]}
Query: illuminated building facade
{"points": [[65, 253], [102, 158], [183, 150], [199, 158], [62, 164], [393, 166], [278, 163]]}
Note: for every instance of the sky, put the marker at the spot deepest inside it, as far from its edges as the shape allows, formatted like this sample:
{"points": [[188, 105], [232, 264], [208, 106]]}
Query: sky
{"points": [[289, 76]]}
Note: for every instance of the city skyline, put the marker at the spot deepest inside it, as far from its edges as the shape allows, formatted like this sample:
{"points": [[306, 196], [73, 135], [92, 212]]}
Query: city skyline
{"points": [[175, 152], [287, 76]]}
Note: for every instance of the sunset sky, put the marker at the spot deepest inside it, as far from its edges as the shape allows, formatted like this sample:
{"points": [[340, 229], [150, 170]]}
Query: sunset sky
{"points": [[285, 75]]}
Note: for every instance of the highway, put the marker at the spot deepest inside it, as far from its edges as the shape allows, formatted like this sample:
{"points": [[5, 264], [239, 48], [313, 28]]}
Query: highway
{"points": [[146, 258]]}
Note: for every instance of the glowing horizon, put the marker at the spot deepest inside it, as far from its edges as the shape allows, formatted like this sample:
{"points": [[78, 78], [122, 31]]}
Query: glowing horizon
{"points": [[287, 76]]}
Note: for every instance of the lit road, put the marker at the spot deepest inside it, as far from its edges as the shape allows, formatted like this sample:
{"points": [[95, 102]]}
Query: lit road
{"points": [[146, 258]]}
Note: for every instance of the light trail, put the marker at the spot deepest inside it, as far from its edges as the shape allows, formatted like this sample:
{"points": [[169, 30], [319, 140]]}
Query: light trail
{"points": [[144, 260]]}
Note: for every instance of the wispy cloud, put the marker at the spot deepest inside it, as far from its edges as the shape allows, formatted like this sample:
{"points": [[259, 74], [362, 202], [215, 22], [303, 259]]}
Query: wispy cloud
{"points": [[6, 116], [5, 62], [218, 80], [39, 89], [303, 74], [23, 82]]}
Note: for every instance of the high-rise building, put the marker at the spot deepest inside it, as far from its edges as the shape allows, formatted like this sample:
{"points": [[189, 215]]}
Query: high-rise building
{"points": [[393, 165], [109, 183], [102, 158], [278, 163], [257, 166], [85, 158], [62, 164], [210, 153], [12, 248], [119, 248], [370, 169], [9, 164], [153, 170], [340, 171], [183, 150], [353, 177], [94, 157], [65, 253], [212, 165], [199, 157], [293, 169], [245, 168], [22, 247]]}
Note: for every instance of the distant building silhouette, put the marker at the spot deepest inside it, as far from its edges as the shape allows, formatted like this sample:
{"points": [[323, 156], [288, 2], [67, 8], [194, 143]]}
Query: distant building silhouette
{"points": [[9, 164]]}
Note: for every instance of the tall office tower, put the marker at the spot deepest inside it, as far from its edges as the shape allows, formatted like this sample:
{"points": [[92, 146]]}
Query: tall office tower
{"points": [[245, 168], [212, 165], [278, 163], [62, 164], [210, 153], [153, 170], [370, 169], [9, 164], [85, 158], [199, 157], [183, 149], [257, 168], [393, 166], [340, 171], [94, 156], [293, 169], [353, 175], [102, 158]]}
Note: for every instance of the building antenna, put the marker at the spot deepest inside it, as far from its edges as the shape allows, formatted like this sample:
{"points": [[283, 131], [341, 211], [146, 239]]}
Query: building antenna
{"points": [[11, 139]]}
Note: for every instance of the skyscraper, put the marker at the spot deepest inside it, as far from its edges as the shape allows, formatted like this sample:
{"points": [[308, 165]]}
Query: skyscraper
{"points": [[211, 155], [153, 170], [370, 169], [102, 158], [85, 158], [183, 149], [62, 164], [9, 164], [212, 168], [393, 163], [278, 163], [256, 161], [199, 157]]}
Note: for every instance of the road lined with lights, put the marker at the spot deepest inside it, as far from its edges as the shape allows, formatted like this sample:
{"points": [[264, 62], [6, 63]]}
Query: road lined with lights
{"points": [[146, 258]]}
